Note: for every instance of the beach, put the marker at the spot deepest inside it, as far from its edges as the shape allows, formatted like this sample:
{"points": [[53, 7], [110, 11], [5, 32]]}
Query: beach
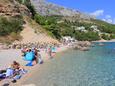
{"points": [[76, 68], [39, 71], [10, 55]]}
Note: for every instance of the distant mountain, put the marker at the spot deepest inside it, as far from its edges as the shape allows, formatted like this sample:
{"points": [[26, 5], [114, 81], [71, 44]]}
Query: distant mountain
{"points": [[46, 8]]}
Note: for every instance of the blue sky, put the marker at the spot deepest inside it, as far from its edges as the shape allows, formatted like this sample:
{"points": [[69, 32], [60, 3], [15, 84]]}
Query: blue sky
{"points": [[103, 9]]}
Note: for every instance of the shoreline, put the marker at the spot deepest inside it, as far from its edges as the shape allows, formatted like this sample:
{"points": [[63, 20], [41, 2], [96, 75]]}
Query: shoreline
{"points": [[32, 69], [35, 68], [112, 40]]}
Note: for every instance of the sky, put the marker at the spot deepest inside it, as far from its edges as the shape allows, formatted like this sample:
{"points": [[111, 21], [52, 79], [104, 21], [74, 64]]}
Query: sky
{"points": [[102, 9]]}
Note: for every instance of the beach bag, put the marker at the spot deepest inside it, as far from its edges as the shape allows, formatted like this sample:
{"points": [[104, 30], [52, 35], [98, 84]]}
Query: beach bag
{"points": [[29, 56]]}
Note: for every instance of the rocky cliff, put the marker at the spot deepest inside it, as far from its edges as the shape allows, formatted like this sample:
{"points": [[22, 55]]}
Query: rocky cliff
{"points": [[12, 8], [46, 8]]}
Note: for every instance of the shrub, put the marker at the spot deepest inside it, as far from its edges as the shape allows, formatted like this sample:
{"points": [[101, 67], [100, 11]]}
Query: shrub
{"points": [[9, 25], [106, 37], [90, 36]]}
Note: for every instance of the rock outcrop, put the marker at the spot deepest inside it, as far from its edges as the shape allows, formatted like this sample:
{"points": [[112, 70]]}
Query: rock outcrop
{"points": [[83, 45], [14, 9], [45, 8]]}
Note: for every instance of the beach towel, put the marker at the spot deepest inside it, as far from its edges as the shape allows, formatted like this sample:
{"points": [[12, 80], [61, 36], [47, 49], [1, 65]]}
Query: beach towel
{"points": [[9, 72], [29, 64], [29, 56], [2, 76]]}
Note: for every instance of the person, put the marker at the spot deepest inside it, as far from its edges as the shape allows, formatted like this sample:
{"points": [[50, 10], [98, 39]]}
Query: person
{"points": [[50, 52], [32, 56], [53, 50], [15, 65], [24, 50], [15, 71], [35, 56], [40, 60]]}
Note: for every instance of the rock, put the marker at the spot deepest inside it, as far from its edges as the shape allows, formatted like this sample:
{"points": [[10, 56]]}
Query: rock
{"points": [[46, 8], [83, 45], [13, 10], [84, 49]]}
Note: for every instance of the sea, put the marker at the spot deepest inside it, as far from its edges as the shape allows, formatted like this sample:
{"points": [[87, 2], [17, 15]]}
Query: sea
{"points": [[95, 67]]}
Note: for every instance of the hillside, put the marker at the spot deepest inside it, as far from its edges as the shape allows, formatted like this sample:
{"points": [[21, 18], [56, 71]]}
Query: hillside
{"points": [[48, 9], [50, 22], [45, 8], [33, 33], [16, 24], [62, 21]]}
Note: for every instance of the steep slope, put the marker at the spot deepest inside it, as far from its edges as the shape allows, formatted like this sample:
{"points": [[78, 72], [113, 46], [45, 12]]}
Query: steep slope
{"points": [[13, 10], [62, 21], [45, 8], [34, 33], [29, 36]]}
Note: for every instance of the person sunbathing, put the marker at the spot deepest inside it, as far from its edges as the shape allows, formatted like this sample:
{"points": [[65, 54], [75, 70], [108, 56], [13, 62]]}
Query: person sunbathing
{"points": [[14, 72]]}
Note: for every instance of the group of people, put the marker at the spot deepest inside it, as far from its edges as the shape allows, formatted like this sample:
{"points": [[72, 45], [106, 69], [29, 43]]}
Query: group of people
{"points": [[32, 55]]}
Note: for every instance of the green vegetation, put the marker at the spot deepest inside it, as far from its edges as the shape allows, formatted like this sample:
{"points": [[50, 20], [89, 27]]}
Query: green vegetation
{"points": [[105, 36], [50, 24], [9, 25], [104, 26], [10, 29], [90, 36], [112, 36], [28, 4], [58, 26]]}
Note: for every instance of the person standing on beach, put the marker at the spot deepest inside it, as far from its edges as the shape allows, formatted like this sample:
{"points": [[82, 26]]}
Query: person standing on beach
{"points": [[50, 52], [24, 50], [40, 60], [53, 50], [36, 56]]}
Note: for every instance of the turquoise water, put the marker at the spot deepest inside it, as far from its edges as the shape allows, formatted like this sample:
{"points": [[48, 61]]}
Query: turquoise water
{"points": [[78, 68]]}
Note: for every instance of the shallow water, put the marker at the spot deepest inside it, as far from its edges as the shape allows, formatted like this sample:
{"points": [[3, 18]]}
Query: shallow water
{"points": [[78, 68]]}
